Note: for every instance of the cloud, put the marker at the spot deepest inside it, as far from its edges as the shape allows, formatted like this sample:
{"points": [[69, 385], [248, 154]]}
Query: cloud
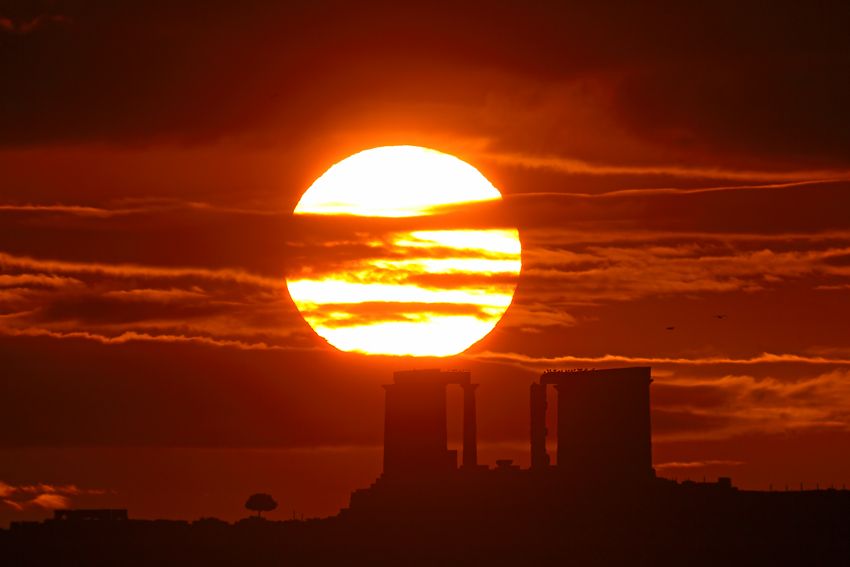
{"points": [[833, 287], [131, 336], [51, 501], [9, 261], [136, 207], [742, 103], [116, 303], [35, 280], [41, 495], [12, 504], [578, 166], [697, 464], [624, 271], [334, 315], [541, 363], [806, 181], [746, 404], [758, 210], [27, 26], [564, 237], [703, 111], [66, 209], [156, 295], [563, 269], [534, 317]]}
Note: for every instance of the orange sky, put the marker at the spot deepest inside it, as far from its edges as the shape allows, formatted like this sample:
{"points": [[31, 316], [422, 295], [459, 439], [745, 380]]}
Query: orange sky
{"points": [[664, 165]]}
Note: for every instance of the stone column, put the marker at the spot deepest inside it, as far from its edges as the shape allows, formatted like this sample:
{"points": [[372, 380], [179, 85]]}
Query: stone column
{"points": [[470, 426], [539, 456]]}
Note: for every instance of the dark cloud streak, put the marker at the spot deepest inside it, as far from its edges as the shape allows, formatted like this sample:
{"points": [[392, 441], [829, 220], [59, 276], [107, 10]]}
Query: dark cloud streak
{"points": [[765, 88]]}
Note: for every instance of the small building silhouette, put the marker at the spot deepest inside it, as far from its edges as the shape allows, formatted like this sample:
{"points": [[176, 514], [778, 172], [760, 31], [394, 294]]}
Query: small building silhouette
{"points": [[92, 515]]}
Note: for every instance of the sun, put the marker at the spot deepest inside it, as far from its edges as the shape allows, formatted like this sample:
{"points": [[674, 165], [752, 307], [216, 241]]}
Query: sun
{"points": [[400, 259]]}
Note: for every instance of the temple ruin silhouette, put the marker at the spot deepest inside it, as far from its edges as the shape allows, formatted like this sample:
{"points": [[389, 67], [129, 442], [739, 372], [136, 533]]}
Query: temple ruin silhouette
{"points": [[599, 503], [604, 441], [603, 423], [415, 430]]}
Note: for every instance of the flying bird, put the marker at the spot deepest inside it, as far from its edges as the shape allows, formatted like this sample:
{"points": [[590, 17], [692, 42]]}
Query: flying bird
{"points": [[720, 316], [671, 328]]}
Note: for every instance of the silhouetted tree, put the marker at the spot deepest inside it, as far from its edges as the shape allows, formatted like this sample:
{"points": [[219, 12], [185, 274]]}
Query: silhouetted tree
{"points": [[260, 503]]}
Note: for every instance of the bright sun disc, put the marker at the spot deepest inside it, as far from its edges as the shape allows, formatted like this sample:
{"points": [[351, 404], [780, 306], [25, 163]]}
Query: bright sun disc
{"points": [[417, 290]]}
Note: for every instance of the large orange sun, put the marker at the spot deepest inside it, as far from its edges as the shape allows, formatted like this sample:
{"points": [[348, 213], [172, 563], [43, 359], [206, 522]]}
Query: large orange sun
{"points": [[398, 275]]}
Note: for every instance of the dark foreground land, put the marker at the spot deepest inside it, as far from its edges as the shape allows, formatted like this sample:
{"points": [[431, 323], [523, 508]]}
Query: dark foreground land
{"points": [[665, 524]]}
